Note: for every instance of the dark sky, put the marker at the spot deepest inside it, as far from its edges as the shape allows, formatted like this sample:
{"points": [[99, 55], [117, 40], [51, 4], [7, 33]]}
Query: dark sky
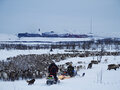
{"points": [[61, 16]]}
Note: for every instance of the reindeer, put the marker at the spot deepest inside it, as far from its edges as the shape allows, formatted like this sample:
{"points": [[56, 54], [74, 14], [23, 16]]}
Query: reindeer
{"points": [[89, 66], [112, 66]]}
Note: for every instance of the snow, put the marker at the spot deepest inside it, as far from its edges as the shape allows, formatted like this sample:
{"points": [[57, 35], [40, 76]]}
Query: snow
{"points": [[54, 39], [91, 81], [4, 54], [97, 78]]}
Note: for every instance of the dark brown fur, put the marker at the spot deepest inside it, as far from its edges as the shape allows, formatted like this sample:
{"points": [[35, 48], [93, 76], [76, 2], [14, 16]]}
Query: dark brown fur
{"points": [[89, 66], [30, 82], [113, 66], [94, 62]]}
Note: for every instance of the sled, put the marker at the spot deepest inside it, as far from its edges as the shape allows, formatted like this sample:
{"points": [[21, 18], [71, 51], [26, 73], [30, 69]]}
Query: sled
{"points": [[62, 77], [66, 76]]}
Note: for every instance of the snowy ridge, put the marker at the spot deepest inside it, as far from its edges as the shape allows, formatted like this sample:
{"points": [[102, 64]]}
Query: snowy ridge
{"points": [[7, 37], [13, 38]]}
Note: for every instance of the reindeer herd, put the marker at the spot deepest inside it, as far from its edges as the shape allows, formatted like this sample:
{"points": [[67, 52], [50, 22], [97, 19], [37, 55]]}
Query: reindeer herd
{"points": [[35, 66]]}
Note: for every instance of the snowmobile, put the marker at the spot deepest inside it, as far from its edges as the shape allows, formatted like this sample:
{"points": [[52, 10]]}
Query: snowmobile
{"points": [[51, 80]]}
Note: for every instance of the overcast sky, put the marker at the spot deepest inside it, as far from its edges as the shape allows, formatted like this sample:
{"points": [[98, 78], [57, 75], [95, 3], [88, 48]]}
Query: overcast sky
{"points": [[61, 16]]}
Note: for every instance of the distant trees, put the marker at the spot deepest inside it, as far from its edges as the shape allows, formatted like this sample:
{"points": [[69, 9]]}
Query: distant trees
{"points": [[109, 44]]}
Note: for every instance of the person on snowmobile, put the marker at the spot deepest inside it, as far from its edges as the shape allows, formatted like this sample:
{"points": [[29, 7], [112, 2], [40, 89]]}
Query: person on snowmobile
{"points": [[70, 70], [52, 70]]}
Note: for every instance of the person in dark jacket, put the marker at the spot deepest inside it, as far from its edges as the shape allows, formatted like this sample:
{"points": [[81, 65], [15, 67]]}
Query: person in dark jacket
{"points": [[53, 69], [70, 70]]}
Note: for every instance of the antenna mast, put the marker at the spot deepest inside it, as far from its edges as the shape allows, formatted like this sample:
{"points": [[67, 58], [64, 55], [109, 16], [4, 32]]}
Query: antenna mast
{"points": [[91, 26]]}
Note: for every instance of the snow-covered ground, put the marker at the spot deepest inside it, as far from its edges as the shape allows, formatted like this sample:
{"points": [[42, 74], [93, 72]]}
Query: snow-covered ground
{"points": [[97, 78], [7, 37], [4, 54]]}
